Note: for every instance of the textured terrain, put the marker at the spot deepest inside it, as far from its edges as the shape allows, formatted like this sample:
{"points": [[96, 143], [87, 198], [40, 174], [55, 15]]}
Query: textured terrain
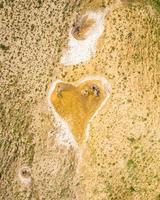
{"points": [[121, 159]]}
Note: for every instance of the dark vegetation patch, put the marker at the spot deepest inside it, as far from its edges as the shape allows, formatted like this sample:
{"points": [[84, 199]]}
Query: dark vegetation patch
{"points": [[3, 47], [155, 4]]}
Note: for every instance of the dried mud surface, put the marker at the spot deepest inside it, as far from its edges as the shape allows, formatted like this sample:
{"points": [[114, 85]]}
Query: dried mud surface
{"points": [[121, 159]]}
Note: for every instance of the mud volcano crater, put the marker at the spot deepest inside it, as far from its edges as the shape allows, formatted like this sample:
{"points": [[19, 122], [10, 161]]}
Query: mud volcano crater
{"points": [[77, 103]]}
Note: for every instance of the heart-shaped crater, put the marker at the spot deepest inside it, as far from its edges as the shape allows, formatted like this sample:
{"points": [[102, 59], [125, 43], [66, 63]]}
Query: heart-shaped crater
{"points": [[77, 103]]}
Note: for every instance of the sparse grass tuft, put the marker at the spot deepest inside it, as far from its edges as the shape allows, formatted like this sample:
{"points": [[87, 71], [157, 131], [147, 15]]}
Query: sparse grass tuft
{"points": [[131, 163]]}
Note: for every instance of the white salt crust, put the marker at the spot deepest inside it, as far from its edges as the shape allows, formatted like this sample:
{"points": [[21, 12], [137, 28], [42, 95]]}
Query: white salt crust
{"points": [[81, 50], [65, 136]]}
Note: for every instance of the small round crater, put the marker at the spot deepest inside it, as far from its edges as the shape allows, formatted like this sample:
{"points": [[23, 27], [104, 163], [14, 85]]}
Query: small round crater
{"points": [[95, 89], [81, 27], [25, 175], [59, 90], [85, 92], [26, 172]]}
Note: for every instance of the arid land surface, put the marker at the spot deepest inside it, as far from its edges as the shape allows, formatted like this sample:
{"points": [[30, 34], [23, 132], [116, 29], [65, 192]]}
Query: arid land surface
{"points": [[121, 159]]}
